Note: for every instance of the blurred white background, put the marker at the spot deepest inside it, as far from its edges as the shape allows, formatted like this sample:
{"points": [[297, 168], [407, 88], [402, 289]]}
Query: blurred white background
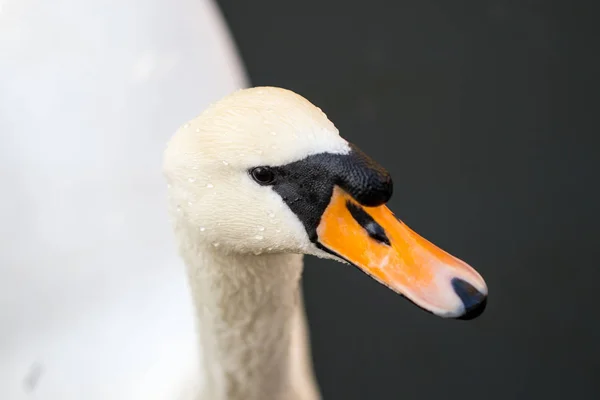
{"points": [[93, 298]]}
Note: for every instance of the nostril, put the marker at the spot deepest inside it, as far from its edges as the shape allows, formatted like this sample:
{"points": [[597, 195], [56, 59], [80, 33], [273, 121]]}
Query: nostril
{"points": [[473, 300]]}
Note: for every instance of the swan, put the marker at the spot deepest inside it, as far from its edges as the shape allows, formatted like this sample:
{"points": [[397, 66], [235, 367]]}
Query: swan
{"points": [[257, 180]]}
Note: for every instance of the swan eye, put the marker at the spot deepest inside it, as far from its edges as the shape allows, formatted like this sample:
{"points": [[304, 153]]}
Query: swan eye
{"points": [[263, 175]]}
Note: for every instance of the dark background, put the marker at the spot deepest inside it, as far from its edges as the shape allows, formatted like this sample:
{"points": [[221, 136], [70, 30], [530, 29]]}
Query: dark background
{"points": [[484, 113]]}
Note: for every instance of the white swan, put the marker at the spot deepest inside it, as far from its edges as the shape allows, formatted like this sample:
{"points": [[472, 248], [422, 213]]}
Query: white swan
{"points": [[256, 181]]}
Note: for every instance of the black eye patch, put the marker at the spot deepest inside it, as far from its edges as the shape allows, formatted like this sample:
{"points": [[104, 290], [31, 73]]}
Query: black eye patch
{"points": [[306, 185]]}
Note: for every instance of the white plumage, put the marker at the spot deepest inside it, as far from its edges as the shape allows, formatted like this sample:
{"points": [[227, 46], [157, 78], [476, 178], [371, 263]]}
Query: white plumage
{"points": [[241, 242]]}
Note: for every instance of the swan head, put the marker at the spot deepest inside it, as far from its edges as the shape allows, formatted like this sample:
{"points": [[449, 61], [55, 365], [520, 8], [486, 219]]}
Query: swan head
{"points": [[264, 171]]}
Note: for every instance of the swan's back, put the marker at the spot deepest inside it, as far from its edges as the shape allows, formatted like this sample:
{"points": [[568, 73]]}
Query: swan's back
{"points": [[94, 302]]}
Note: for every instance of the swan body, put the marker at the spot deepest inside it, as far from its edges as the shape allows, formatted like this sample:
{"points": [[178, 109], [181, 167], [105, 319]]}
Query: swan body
{"points": [[259, 179], [94, 304]]}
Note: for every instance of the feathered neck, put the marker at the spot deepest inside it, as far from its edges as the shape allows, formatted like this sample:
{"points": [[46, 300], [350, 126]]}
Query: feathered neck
{"points": [[251, 325]]}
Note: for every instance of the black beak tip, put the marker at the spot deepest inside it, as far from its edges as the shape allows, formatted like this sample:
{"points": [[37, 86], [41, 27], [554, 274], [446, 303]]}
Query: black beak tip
{"points": [[473, 300]]}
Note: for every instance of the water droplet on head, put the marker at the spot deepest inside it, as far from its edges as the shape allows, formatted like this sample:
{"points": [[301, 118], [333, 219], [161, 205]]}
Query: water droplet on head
{"points": [[192, 180], [202, 229], [278, 230], [257, 252], [258, 237], [225, 162], [216, 244], [210, 185], [190, 203], [269, 249]]}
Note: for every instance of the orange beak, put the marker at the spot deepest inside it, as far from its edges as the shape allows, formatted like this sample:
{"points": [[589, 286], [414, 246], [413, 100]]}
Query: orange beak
{"points": [[374, 240]]}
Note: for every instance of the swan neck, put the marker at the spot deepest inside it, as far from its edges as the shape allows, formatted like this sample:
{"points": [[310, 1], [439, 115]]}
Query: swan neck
{"points": [[247, 309]]}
